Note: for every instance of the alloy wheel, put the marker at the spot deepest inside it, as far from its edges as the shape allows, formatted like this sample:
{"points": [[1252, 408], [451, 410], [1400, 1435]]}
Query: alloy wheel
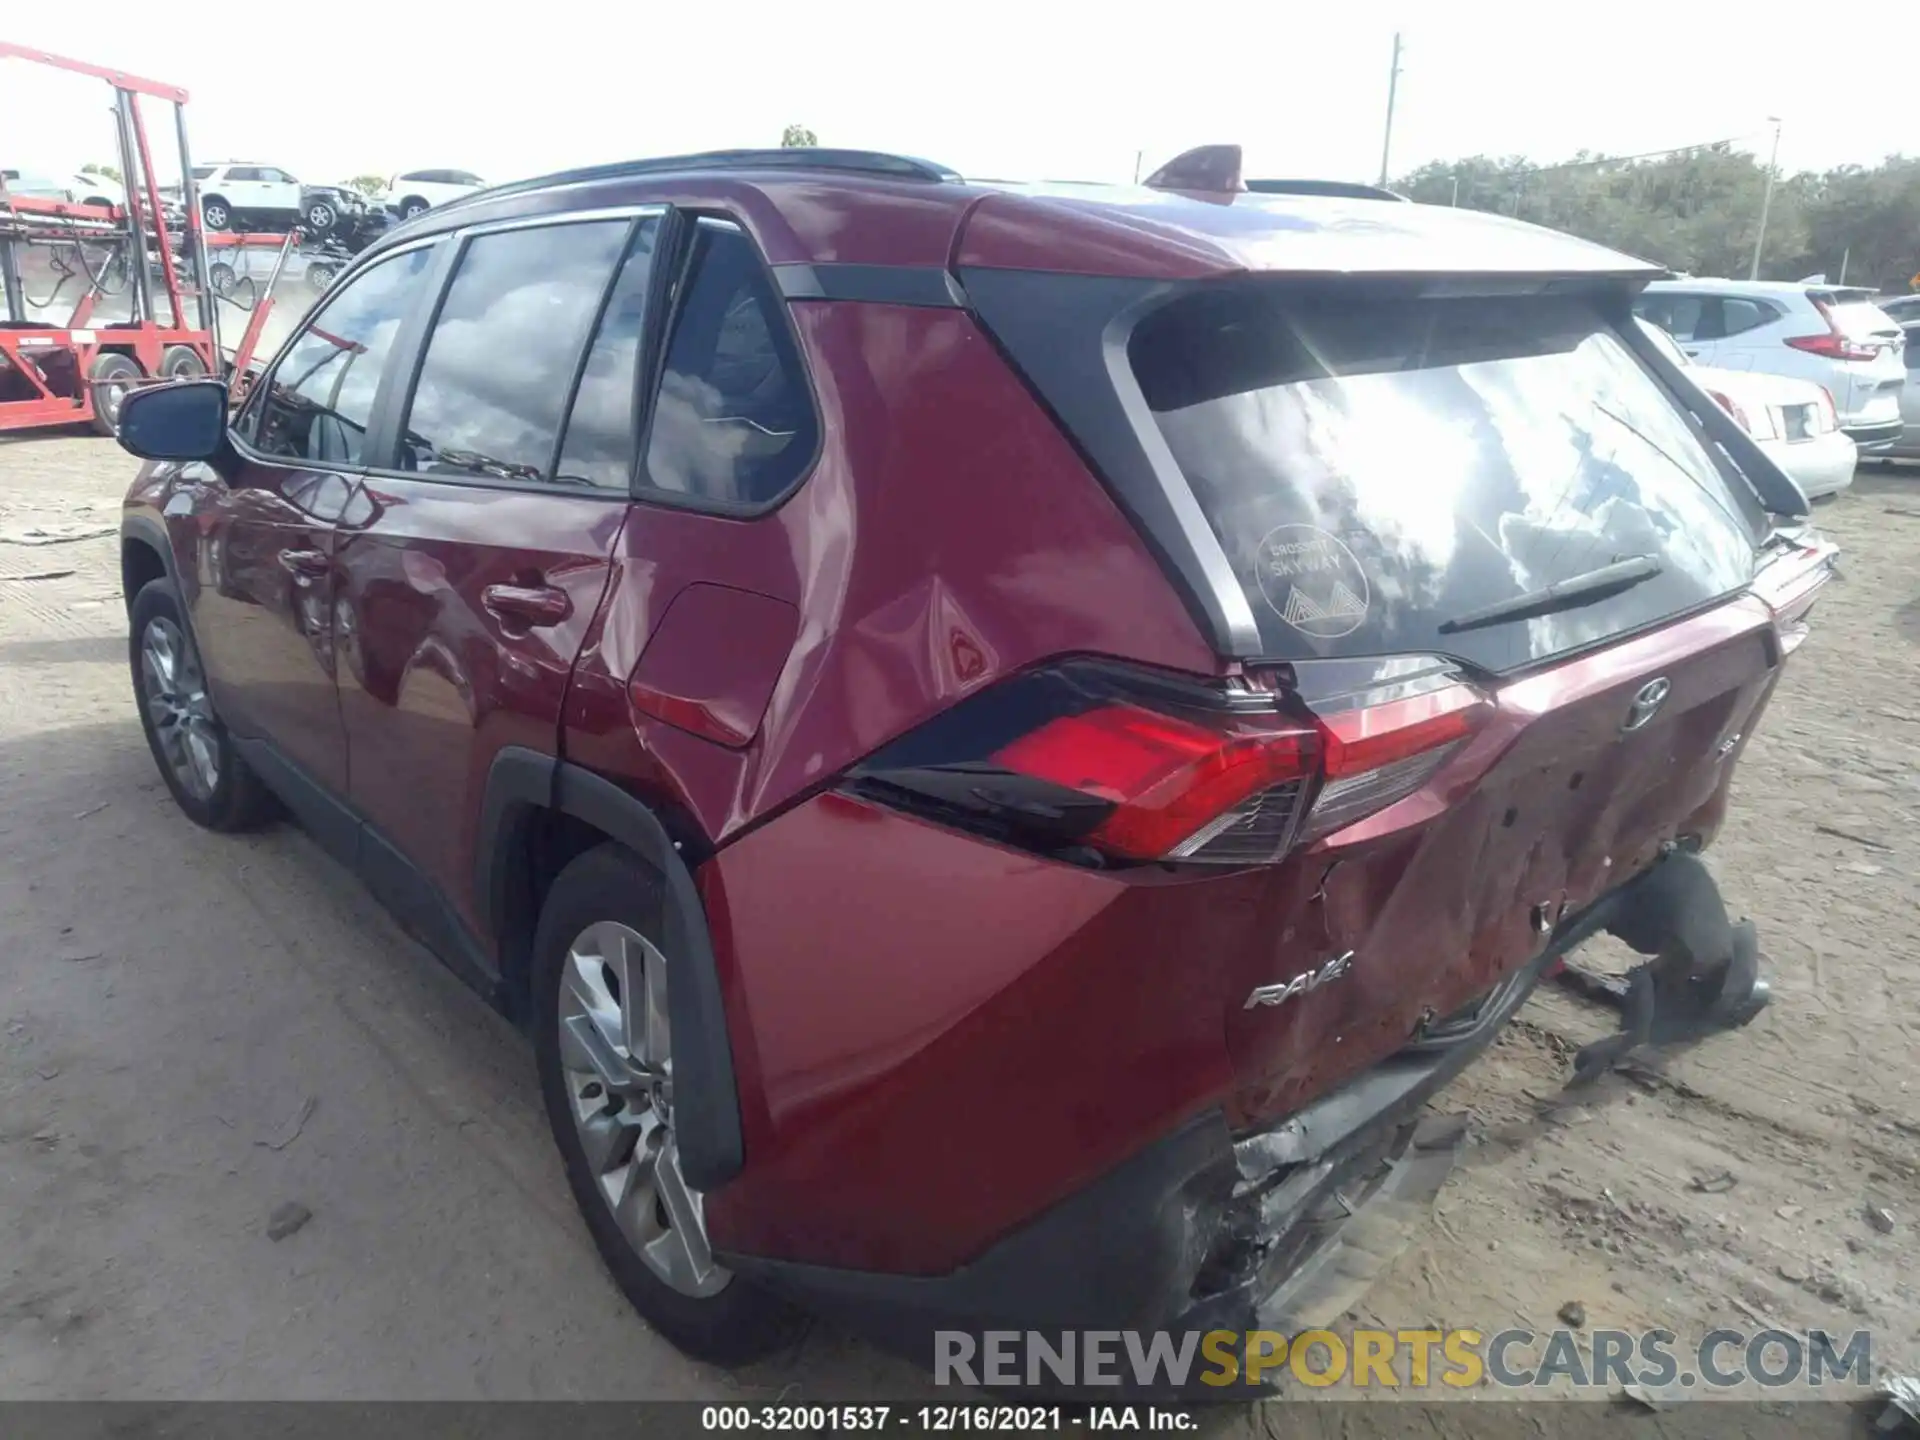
{"points": [[175, 693], [616, 1051]]}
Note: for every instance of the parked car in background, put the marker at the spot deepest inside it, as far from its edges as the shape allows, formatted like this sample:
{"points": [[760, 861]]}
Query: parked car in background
{"points": [[1903, 308], [246, 195], [1000, 777], [79, 189], [415, 191], [1792, 420], [1832, 335]]}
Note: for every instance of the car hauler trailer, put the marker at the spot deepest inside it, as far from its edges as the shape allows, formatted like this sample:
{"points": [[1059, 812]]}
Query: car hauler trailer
{"points": [[61, 363]]}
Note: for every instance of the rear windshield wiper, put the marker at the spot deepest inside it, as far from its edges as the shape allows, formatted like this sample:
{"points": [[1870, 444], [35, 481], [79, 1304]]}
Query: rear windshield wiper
{"points": [[1561, 595]]}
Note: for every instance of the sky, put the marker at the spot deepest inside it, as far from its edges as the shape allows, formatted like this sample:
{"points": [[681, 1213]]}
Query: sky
{"points": [[1014, 91]]}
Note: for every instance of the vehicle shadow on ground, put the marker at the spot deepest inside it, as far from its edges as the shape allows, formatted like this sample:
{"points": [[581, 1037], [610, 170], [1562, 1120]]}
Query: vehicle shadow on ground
{"points": [[225, 980]]}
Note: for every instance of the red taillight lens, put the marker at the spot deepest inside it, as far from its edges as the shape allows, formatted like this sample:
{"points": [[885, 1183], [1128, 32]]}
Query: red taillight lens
{"points": [[1169, 780], [1830, 417], [1726, 403], [1383, 745], [1088, 760], [1369, 736], [1832, 346]]}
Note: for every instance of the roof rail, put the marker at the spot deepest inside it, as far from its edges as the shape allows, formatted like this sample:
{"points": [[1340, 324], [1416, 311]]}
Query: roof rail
{"points": [[795, 157]]}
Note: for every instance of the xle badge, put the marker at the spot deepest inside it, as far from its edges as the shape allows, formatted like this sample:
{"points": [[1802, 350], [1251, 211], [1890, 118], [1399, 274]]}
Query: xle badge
{"points": [[1300, 984], [1312, 581]]}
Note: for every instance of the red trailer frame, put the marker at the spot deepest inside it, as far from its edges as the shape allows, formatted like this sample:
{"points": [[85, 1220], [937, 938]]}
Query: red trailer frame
{"points": [[47, 371]]}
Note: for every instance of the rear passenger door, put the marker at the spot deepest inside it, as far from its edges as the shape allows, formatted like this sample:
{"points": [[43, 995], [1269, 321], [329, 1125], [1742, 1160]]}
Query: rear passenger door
{"points": [[479, 549]]}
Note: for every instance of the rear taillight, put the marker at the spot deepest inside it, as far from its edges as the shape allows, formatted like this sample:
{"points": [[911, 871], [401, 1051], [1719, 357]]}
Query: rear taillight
{"points": [[1386, 736], [1836, 344], [1832, 347], [1829, 416], [1759, 426], [1102, 764]]}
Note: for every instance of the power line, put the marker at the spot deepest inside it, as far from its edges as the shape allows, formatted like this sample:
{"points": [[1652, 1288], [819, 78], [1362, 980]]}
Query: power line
{"points": [[1626, 159]]}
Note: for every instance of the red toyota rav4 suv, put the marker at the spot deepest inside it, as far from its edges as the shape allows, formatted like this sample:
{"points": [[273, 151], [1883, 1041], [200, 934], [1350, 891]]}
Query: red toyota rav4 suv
{"points": [[1001, 740]]}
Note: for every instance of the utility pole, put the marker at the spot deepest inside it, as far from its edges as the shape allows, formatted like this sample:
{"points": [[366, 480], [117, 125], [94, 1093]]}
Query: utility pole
{"points": [[1136, 165], [1766, 201], [1393, 90]]}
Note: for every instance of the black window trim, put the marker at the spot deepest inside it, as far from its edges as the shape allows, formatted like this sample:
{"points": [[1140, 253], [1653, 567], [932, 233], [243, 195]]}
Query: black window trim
{"points": [[383, 434], [681, 267], [429, 287]]}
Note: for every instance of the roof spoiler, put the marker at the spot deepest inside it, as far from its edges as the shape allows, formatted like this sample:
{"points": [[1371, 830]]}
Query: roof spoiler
{"points": [[1208, 169]]}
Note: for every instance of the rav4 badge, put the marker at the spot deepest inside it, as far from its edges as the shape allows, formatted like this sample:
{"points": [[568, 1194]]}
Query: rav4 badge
{"points": [[1300, 984]]}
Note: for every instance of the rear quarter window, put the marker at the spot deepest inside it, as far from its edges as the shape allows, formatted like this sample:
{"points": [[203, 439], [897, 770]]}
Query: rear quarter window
{"points": [[733, 423]]}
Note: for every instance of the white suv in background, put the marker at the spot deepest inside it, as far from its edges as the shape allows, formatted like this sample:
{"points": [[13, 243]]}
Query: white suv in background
{"points": [[1791, 420], [1831, 334], [416, 190]]}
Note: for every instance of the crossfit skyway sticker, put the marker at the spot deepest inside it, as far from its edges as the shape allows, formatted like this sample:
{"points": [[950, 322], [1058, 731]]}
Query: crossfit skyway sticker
{"points": [[1312, 581]]}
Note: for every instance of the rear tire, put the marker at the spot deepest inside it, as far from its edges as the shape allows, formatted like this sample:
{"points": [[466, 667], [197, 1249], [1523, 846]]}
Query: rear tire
{"points": [[215, 212], [110, 377], [181, 362], [414, 207], [208, 779], [609, 903]]}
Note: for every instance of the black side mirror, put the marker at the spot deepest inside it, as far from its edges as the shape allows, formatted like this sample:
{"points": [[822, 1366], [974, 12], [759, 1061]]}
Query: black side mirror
{"points": [[186, 420]]}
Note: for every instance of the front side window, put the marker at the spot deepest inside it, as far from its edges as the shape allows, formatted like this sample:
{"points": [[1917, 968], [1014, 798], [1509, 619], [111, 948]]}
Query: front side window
{"points": [[319, 402], [734, 423], [500, 360]]}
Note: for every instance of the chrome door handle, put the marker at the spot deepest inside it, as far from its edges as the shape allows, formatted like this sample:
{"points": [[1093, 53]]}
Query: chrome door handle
{"points": [[527, 604]]}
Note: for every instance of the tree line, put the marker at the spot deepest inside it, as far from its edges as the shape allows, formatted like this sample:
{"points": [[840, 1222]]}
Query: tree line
{"points": [[1698, 210]]}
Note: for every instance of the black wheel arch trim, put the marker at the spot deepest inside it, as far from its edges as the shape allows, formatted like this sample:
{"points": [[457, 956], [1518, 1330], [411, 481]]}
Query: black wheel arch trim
{"points": [[706, 1096], [147, 530]]}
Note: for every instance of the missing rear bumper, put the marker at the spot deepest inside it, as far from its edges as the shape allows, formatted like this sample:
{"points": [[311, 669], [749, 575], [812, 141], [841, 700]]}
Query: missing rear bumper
{"points": [[1284, 1228]]}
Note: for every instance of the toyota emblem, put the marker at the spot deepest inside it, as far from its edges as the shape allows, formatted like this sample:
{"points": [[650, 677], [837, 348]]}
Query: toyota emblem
{"points": [[1647, 701]]}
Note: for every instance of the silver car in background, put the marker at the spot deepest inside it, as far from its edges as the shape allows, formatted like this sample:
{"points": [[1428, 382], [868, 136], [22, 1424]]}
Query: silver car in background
{"points": [[1833, 335], [1792, 420]]}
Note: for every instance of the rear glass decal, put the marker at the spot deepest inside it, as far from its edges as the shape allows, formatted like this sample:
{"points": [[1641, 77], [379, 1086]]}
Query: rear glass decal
{"points": [[1312, 581]]}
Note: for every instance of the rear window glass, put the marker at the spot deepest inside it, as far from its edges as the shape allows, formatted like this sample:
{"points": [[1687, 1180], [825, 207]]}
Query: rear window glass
{"points": [[1374, 467], [1862, 319]]}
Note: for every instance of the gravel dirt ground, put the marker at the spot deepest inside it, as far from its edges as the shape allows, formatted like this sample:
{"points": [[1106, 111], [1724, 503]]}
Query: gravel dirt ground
{"points": [[197, 1029]]}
